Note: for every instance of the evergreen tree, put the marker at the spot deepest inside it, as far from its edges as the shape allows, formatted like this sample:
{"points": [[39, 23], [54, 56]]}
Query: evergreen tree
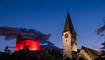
{"points": [[103, 48]]}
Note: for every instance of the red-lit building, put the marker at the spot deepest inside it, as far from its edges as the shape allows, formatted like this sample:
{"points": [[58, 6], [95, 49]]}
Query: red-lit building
{"points": [[21, 44]]}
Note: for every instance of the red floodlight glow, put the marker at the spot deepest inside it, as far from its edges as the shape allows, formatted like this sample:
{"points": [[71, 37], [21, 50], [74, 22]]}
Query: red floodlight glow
{"points": [[32, 45]]}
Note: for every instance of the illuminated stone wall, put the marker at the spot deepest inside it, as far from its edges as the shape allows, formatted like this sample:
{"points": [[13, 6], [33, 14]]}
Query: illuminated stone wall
{"points": [[67, 44]]}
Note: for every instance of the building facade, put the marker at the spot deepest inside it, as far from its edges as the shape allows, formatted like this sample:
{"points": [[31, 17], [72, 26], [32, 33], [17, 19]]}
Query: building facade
{"points": [[24, 44]]}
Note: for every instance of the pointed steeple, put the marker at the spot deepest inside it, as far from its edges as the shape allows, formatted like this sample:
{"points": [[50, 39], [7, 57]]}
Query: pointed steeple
{"points": [[68, 24]]}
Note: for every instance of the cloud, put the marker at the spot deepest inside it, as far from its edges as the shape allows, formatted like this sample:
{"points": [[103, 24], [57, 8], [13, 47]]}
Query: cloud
{"points": [[11, 33], [101, 31]]}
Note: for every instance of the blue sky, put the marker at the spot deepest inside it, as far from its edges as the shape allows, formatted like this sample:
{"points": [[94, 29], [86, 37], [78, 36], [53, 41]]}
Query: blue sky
{"points": [[49, 16]]}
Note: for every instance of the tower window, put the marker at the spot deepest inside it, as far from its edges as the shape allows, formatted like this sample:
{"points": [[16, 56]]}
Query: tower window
{"points": [[66, 40]]}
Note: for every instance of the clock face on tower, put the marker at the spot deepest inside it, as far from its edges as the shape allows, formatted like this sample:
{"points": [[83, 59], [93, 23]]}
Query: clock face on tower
{"points": [[66, 35]]}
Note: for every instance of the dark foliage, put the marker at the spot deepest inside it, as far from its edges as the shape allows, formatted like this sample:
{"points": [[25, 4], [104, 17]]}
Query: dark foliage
{"points": [[103, 48], [35, 55]]}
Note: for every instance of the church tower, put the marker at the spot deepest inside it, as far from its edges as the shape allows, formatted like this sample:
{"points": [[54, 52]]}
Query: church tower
{"points": [[69, 38]]}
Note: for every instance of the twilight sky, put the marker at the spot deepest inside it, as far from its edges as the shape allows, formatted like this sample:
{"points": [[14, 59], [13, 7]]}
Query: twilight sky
{"points": [[49, 16]]}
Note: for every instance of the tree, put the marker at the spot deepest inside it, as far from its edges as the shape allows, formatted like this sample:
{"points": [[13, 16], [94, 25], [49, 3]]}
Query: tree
{"points": [[103, 48]]}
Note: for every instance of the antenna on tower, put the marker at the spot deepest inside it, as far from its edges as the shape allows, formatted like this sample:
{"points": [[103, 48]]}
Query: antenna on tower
{"points": [[67, 10]]}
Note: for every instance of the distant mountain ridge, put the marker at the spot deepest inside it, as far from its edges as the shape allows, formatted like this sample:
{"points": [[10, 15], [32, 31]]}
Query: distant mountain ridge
{"points": [[49, 47]]}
